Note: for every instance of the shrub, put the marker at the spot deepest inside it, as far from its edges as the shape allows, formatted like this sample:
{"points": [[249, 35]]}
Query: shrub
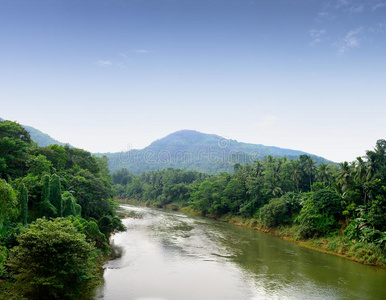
{"points": [[319, 214], [53, 261], [274, 213]]}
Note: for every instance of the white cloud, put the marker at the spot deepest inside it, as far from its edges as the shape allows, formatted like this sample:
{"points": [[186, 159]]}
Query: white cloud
{"points": [[379, 28], [378, 5], [141, 51], [357, 8], [104, 63], [266, 122], [342, 3], [124, 55], [316, 35], [350, 41]]}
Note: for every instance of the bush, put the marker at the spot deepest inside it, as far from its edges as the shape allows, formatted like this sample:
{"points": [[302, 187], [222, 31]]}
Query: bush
{"points": [[53, 261], [319, 214], [274, 213]]}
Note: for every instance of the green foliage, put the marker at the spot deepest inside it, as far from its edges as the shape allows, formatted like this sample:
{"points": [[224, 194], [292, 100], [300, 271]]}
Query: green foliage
{"points": [[109, 225], [56, 195], [275, 213], [14, 144], [39, 165], [45, 208], [42, 139], [3, 259], [320, 213], [53, 261], [8, 202], [70, 205], [92, 232], [23, 202], [192, 150]]}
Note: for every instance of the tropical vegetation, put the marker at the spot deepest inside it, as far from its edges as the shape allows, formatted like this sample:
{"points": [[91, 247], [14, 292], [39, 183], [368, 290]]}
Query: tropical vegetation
{"points": [[56, 216], [343, 202]]}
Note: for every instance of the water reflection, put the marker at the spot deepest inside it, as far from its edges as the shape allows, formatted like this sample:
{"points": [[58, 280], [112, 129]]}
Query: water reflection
{"points": [[169, 255]]}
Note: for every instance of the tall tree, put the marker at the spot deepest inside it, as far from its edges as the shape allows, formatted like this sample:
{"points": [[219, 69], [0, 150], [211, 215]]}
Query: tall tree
{"points": [[46, 209], [14, 143], [344, 176], [323, 173], [56, 195], [8, 202], [23, 202], [295, 170], [310, 167]]}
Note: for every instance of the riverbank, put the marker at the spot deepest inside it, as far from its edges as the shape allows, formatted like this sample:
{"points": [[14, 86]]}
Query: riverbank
{"points": [[335, 244]]}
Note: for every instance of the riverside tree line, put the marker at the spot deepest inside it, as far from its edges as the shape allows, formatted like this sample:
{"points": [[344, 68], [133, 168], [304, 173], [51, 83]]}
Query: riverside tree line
{"points": [[56, 215], [344, 203]]}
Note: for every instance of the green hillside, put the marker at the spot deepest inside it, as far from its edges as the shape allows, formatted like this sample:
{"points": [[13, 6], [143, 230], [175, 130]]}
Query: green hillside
{"points": [[186, 149], [193, 150], [39, 137]]}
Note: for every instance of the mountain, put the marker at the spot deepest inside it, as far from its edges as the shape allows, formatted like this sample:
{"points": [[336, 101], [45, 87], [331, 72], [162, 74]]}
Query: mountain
{"points": [[186, 149], [39, 137], [193, 150]]}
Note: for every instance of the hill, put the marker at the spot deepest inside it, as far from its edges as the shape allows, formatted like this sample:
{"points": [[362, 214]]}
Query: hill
{"points": [[186, 149], [193, 150], [39, 137]]}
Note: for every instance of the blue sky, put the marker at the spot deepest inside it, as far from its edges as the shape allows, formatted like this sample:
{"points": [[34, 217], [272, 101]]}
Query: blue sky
{"points": [[118, 74]]}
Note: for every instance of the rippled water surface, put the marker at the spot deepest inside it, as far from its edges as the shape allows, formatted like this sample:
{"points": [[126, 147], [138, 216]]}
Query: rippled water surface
{"points": [[173, 256]]}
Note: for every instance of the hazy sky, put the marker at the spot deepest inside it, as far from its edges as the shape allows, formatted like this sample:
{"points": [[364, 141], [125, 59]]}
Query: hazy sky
{"points": [[113, 75]]}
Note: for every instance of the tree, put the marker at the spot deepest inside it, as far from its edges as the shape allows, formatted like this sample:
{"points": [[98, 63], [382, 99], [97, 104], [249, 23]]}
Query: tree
{"points": [[39, 165], [309, 168], [14, 143], [53, 261], [45, 208], [70, 207], [323, 173], [296, 172], [274, 213], [320, 213], [56, 195], [344, 176], [8, 202], [23, 202]]}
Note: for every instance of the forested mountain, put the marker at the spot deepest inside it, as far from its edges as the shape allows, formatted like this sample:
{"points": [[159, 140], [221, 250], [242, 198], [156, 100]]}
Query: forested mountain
{"points": [[193, 150], [185, 149], [41, 138], [56, 216], [337, 207]]}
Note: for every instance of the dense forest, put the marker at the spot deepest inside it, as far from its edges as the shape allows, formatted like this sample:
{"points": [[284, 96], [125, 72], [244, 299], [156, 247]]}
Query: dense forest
{"points": [[344, 204], [56, 215], [196, 151]]}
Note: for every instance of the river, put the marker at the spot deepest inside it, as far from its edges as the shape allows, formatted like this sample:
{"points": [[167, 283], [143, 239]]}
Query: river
{"points": [[174, 256]]}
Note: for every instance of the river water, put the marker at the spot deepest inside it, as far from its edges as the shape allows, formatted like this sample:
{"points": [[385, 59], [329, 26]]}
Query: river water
{"points": [[173, 256]]}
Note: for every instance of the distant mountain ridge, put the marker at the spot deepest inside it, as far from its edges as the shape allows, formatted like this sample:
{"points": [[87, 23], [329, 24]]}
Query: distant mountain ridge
{"points": [[193, 150], [186, 149], [41, 138]]}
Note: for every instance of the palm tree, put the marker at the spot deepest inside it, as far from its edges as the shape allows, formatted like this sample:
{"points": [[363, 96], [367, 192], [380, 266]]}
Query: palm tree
{"points": [[323, 173], [309, 168], [380, 150], [295, 173], [361, 175], [372, 165], [344, 176], [360, 170], [257, 168]]}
